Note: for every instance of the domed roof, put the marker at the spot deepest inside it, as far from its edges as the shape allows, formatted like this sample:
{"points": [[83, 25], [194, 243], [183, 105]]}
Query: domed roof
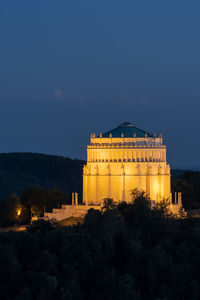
{"points": [[128, 130]]}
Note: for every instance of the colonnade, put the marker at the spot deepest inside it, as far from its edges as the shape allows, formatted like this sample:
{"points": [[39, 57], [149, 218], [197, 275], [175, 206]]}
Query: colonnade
{"points": [[101, 155]]}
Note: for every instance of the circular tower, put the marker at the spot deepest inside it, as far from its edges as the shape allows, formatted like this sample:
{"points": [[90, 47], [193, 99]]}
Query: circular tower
{"points": [[122, 159]]}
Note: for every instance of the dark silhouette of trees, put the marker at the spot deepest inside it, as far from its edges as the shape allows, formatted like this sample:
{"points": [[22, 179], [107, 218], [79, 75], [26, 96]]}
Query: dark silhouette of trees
{"points": [[108, 203], [189, 184], [33, 201], [10, 210], [18, 171], [127, 251]]}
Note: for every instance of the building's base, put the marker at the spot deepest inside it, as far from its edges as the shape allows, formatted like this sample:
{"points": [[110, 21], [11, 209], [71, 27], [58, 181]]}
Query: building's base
{"points": [[68, 211], [80, 210]]}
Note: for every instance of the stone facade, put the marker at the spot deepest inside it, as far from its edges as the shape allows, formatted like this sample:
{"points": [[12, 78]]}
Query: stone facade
{"points": [[117, 165], [119, 161]]}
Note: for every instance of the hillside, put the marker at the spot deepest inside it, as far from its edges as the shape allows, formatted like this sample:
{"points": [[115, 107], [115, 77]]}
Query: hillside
{"points": [[20, 170]]}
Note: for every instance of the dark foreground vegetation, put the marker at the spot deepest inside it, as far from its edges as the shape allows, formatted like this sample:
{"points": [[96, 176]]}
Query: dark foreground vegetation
{"points": [[188, 183], [34, 201], [126, 252]]}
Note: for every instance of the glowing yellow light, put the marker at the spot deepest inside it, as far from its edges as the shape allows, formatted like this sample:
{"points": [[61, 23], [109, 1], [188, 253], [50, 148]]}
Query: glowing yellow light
{"points": [[117, 165], [21, 228], [19, 211]]}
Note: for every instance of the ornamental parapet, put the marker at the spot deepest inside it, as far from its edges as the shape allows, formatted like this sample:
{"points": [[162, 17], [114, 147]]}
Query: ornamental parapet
{"points": [[122, 146], [140, 160]]}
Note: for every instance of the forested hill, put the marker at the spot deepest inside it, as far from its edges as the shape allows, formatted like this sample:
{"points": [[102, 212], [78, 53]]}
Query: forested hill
{"points": [[20, 170]]}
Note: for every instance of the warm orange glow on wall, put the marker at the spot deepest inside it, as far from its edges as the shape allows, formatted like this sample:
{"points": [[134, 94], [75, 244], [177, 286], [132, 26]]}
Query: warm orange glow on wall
{"points": [[118, 162], [117, 165]]}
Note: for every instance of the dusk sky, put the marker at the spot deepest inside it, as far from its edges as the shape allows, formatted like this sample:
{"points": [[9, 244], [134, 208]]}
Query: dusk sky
{"points": [[69, 68]]}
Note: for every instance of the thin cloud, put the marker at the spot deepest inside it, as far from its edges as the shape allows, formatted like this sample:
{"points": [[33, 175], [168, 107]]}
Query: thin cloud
{"points": [[121, 97], [58, 93]]}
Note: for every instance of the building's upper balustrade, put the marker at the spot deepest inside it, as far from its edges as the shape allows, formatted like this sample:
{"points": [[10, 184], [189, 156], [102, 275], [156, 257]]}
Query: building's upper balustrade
{"points": [[126, 143], [123, 146], [126, 135]]}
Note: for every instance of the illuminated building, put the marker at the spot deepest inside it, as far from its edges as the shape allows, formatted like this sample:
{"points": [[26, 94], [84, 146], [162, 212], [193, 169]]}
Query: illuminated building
{"points": [[123, 159], [119, 161]]}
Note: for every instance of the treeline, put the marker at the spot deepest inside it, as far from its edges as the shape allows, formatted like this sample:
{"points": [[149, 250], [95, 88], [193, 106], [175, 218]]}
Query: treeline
{"points": [[34, 201], [128, 251], [18, 171], [189, 184]]}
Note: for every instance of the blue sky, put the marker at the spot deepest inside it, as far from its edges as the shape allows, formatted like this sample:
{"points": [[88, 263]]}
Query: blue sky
{"points": [[69, 68]]}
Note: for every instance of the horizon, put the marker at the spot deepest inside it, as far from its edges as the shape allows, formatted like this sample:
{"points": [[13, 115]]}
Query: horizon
{"points": [[70, 69], [182, 168]]}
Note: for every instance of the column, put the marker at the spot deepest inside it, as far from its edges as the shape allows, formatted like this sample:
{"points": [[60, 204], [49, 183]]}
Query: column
{"points": [[73, 198], [76, 198]]}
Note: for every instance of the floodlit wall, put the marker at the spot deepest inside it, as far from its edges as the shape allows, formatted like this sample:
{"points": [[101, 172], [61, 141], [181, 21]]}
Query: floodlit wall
{"points": [[116, 166]]}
